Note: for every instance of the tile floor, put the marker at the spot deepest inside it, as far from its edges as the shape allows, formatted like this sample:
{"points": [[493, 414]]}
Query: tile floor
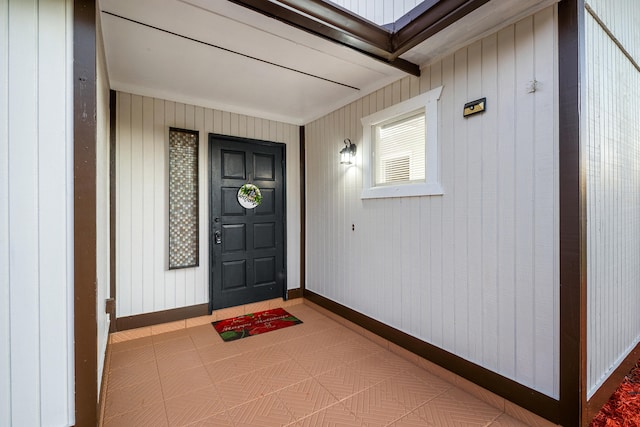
{"points": [[318, 373]]}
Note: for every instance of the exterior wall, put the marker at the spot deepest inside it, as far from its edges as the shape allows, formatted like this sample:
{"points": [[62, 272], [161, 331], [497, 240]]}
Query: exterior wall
{"points": [[475, 271], [611, 136], [144, 283], [36, 213], [102, 200]]}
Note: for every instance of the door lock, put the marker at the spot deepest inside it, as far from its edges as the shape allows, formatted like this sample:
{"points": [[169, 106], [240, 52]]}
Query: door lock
{"points": [[217, 237]]}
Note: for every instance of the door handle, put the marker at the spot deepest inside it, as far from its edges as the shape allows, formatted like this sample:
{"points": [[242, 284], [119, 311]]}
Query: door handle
{"points": [[217, 236]]}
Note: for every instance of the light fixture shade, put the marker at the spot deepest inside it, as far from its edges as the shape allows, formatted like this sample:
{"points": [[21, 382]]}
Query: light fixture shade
{"points": [[348, 152]]}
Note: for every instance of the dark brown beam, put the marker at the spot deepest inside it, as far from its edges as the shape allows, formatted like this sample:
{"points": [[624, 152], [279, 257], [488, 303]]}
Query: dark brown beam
{"points": [[364, 36], [573, 274], [84, 209], [345, 20], [427, 19]]}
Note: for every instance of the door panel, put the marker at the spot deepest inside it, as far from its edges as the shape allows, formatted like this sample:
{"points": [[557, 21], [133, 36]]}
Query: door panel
{"points": [[247, 261]]}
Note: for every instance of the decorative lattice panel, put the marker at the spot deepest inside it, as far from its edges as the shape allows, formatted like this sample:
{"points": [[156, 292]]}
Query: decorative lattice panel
{"points": [[183, 198]]}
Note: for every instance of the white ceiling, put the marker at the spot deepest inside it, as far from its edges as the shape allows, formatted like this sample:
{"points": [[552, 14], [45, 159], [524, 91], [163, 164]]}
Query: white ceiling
{"points": [[216, 54]]}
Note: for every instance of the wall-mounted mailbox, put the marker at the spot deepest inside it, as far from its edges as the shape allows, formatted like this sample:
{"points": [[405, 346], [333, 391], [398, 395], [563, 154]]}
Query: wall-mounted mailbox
{"points": [[473, 107]]}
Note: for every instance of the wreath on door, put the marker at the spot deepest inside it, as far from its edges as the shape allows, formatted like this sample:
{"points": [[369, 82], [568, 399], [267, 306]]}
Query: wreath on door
{"points": [[249, 196]]}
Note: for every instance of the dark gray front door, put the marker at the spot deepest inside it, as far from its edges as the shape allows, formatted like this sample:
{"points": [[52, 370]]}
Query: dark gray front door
{"points": [[247, 262]]}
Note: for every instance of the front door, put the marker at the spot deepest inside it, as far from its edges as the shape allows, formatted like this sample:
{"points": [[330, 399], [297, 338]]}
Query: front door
{"points": [[247, 262]]}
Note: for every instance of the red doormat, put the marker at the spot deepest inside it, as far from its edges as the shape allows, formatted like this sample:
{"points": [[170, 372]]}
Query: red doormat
{"points": [[254, 324]]}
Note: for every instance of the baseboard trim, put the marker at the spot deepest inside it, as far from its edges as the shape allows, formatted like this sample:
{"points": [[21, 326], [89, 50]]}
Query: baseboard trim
{"points": [[158, 317], [294, 293], [602, 395], [525, 397]]}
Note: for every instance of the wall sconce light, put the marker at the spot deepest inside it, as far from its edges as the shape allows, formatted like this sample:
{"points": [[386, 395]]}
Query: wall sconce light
{"points": [[348, 152]]}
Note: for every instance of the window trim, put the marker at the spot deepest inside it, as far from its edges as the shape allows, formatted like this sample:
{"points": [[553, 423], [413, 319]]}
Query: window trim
{"points": [[431, 186]]}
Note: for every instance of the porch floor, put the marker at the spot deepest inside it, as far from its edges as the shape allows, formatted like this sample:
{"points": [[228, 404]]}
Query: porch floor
{"points": [[318, 373]]}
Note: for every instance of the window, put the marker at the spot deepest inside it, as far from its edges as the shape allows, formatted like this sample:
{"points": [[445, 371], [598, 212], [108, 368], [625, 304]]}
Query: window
{"points": [[401, 149]]}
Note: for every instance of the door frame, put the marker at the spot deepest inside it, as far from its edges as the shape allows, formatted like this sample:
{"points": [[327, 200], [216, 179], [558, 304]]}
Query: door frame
{"points": [[242, 140]]}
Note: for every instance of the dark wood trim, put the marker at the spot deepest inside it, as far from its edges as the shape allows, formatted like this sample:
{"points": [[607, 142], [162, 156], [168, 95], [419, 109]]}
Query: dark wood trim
{"points": [[158, 317], [610, 385], [573, 276], [360, 35], [517, 393], [303, 209], [84, 208], [430, 18], [113, 99], [294, 293], [345, 20]]}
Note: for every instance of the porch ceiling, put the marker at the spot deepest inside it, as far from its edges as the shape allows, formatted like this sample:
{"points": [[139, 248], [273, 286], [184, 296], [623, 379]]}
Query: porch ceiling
{"points": [[218, 54]]}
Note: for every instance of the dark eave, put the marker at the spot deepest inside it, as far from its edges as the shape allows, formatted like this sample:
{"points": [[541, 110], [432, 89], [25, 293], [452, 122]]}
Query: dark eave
{"points": [[428, 18], [334, 24], [384, 43]]}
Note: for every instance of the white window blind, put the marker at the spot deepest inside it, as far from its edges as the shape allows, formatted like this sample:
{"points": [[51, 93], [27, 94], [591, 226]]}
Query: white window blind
{"points": [[399, 150]]}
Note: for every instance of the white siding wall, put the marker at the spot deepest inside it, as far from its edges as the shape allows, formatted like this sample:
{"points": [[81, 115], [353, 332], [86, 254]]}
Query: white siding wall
{"points": [[102, 199], [379, 11], [36, 240], [612, 136], [476, 271], [144, 284]]}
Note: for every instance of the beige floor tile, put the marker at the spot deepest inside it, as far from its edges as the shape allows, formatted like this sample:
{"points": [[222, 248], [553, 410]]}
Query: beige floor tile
{"points": [[216, 352], [266, 356], [171, 363], [525, 416], [132, 374], [219, 420], [167, 327], [283, 375], [303, 376], [457, 408], [224, 369], [268, 411], [243, 389], [131, 344], [177, 345], [133, 397], [316, 363], [505, 420], [411, 391], [204, 335], [195, 406], [344, 382], [334, 416], [305, 398], [410, 420], [149, 416], [130, 334], [132, 357], [375, 407], [185, 381], [375, 368]]}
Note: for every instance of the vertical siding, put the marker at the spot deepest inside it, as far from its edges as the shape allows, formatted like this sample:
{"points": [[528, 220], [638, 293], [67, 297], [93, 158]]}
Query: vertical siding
{"points": [[102, 200], [611, 136], [144, 284], [621, 17], [475, 271], [36, 283]]}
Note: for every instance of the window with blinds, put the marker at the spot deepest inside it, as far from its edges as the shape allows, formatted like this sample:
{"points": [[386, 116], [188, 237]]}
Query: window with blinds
{"points": [[399, 150]]}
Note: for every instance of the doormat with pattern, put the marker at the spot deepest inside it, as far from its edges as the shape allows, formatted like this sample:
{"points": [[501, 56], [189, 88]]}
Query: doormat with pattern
{"points": [[254, 324]]}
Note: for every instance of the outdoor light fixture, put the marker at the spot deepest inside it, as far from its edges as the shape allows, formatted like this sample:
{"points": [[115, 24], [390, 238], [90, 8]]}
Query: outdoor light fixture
{"points": [[348, 152]]}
